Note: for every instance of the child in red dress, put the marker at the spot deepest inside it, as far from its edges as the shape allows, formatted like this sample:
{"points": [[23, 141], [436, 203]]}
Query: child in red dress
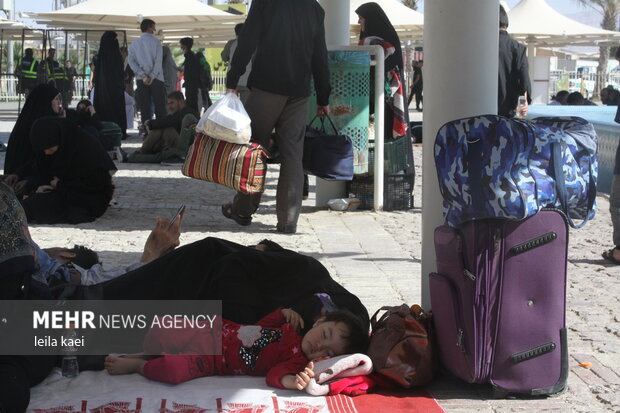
{"points": [[273, 348]]}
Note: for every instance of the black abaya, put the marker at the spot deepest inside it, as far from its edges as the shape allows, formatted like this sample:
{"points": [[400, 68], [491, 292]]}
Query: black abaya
{"points": [[84, 189], [250, 283], [109, 82], [19, 155]]}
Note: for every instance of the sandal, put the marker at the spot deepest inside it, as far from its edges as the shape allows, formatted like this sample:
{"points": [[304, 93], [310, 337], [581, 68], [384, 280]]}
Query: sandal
{"points": [[227, 211], [609, 256]]}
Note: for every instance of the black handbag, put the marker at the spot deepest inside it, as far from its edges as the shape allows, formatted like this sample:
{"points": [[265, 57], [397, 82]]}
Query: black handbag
{"points": [[327, 156]]}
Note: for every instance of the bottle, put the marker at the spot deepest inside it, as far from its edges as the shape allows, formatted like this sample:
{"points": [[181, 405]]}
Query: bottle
{"points": [[70, 366], [522, 102]]}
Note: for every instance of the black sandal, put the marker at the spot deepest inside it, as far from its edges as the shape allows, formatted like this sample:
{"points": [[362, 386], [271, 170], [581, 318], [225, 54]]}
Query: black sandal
{"points": [[227, 211], [609, 256]]}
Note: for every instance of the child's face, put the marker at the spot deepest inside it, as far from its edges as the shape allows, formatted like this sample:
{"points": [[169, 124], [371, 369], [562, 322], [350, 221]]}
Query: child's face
{"points": [[325, 339]]}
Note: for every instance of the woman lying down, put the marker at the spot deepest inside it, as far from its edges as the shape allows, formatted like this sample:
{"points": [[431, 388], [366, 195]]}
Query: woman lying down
{"points": [[273, 348]]}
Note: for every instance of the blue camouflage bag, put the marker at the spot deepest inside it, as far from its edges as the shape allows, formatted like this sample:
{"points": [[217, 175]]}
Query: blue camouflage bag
{"points": [[494, 167]]}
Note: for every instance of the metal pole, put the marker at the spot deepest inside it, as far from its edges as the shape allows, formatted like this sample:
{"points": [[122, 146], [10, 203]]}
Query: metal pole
{"points": [[9, 53], [454, 31], [85, 63], [379, 119], [19, 95], [1, 48], [66, 47]]}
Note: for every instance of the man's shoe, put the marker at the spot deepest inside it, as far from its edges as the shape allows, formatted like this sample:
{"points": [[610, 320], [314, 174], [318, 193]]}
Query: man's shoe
{"points": [[227, 211]]}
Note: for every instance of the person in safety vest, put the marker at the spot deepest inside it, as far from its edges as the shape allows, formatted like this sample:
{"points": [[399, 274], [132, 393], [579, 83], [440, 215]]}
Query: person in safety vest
{"points": [[26, 72], [57, 76]]}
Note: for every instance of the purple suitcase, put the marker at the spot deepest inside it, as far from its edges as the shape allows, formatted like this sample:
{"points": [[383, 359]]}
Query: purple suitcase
{"points": [[499, 300]]}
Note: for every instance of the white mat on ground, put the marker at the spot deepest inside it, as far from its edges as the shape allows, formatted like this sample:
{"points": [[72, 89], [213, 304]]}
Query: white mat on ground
{"points": [[98, 392]]}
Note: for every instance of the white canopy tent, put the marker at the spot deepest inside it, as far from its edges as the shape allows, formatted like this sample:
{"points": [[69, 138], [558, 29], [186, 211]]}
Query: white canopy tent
{"points": [[179, 18], [409, 24], [535, 22], [14, 30]]}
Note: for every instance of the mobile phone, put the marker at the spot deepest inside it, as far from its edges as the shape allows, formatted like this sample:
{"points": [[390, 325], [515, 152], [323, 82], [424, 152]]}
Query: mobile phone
{"points": [[179, 212]]}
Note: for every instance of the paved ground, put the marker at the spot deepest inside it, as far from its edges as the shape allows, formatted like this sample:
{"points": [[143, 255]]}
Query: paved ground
{"points": [[376, 255]]}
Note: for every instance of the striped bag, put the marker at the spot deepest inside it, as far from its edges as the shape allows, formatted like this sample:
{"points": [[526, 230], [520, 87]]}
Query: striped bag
{"points": [[240, 167]]}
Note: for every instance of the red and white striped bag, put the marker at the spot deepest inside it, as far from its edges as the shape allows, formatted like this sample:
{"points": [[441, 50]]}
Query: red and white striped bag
{"points": [[240, 167]]}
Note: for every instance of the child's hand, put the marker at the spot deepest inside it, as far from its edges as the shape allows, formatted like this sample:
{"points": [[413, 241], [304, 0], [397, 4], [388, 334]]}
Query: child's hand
{"points": [[302, 379], [293, 318]]}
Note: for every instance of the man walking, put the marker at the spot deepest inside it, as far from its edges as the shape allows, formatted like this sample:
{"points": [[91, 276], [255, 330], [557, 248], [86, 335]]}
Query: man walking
{"points": [[417, 85], [145, 59], [289, 40], [514, 78], [191, 73]]}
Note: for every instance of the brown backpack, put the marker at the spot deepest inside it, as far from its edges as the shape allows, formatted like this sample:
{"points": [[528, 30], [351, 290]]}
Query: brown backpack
{"points": [[401, 347]]}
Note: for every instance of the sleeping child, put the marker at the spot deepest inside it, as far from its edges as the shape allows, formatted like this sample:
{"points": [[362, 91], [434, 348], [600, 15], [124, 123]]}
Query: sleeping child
{"points": [[273, 348]]}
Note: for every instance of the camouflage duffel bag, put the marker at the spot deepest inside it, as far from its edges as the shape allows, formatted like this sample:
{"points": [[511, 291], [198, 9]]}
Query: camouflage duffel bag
{"points": [[494, 167]]}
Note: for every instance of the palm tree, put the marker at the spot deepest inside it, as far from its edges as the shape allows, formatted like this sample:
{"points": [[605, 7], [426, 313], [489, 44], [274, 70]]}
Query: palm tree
{"points": [[413, 4], [610, 10]]}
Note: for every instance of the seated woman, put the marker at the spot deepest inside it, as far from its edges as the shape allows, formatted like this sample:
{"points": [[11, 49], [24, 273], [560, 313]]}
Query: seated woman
{"points": [[71, 182], [17, 265], [86, 118], [44, 100]]}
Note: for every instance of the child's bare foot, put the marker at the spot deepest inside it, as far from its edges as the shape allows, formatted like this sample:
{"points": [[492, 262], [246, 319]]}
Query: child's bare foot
{"points": [[123, 365]]}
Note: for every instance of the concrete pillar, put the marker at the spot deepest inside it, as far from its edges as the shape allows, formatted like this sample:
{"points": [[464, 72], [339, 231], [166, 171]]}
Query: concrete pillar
{"points": [[336, 34], [460, 80], [336, 21]]}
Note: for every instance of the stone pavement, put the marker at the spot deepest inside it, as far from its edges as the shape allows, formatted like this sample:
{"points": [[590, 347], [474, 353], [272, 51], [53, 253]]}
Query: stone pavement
{"points": [[376, 255]]}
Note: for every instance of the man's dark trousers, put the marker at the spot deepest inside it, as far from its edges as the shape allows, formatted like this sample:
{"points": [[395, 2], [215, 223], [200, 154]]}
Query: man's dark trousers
{"points": [[154, 94], [191, 98], [288, 116]]}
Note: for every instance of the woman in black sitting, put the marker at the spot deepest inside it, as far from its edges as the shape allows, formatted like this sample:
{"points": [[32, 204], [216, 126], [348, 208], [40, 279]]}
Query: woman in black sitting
{"points": [[71, 182], [44, 100]]}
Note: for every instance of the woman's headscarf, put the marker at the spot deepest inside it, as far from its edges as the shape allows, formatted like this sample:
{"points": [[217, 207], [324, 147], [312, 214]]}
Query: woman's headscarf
{"points": [[19, 152], [378, 24], [78, 151], [109, 81]]}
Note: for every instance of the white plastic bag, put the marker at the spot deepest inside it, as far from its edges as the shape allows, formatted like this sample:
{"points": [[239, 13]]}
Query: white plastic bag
{"points": [[227, 120]]}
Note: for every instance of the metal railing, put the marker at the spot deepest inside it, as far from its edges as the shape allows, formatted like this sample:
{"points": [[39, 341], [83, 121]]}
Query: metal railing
{"points": [[581, 82], [571, 81], [8, 87]]}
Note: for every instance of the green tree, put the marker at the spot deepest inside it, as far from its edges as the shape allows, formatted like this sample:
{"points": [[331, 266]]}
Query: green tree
{"points": [[610, 10], [413, 4]]}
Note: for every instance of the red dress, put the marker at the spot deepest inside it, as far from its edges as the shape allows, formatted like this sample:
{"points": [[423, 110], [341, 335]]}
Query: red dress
{"points": [[272, 349]]}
